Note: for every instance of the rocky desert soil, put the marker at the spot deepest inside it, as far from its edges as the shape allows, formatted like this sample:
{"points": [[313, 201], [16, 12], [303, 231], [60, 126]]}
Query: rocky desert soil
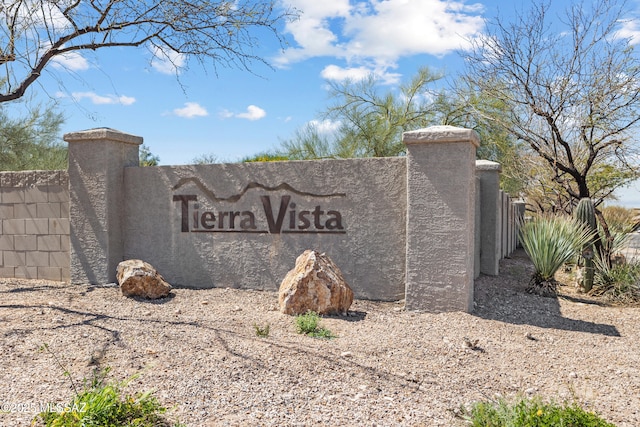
{"points": [[199, 351]]}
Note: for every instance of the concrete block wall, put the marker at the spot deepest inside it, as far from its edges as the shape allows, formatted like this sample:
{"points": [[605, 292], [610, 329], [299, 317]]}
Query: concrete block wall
{"points": [[421, 227], [34, 225]]}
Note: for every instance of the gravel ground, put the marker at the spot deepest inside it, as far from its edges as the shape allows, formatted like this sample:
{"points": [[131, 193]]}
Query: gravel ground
{"points": [[199, 351]]}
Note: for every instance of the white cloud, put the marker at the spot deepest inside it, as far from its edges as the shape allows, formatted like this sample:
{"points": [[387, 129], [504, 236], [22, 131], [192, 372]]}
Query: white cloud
{"points": [[103, 100], [253, 113], [337, 73], [629, 29], [29, 14], [401, 27], [71, 61], [166, 61], [334, 72], [325, 126], [191, 110], [380, 32]]}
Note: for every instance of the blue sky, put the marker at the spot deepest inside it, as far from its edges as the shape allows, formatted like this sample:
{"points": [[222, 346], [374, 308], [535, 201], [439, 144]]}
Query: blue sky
{"points": [[232, 113]]}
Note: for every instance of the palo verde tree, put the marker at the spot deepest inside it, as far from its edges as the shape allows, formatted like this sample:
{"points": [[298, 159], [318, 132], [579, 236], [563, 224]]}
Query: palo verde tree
{"points": [[458, 106], [370, 122], [146, 157], [30, 141], [370, 117], [34, 33], [571, 85]]}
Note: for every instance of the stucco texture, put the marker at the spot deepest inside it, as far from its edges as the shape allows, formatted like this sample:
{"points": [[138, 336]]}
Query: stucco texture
{"points": [[243, 225]]}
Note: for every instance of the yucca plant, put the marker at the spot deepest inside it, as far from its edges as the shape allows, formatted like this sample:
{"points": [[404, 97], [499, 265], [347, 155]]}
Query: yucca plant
{"points": [[612, 247], [551, 241]]}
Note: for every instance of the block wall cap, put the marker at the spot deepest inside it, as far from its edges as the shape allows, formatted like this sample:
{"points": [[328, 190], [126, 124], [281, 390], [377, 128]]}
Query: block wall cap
{"points": [[441, 134], [488, 165], [102, 134]]}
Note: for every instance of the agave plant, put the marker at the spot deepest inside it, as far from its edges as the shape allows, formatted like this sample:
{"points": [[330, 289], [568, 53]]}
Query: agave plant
{"points": [[551, 241]]}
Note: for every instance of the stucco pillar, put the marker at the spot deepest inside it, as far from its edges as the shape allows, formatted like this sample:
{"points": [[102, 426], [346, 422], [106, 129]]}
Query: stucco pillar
{"points": [[97, 158], [490, 214], [440, 218], [476, 235], [504, 197], [520, 210]]}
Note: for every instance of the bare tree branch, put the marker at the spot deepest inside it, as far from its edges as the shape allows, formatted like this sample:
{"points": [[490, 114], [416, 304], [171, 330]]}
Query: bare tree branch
{"points": [[215, 33], [573, 90]]}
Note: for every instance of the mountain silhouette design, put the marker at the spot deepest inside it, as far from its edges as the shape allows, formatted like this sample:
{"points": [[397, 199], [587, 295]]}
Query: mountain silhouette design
{"points": [[283, 186]]}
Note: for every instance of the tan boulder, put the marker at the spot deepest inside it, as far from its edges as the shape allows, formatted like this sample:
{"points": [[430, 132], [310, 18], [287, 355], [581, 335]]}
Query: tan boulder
{"points": [[139, 278], [315, 284]]}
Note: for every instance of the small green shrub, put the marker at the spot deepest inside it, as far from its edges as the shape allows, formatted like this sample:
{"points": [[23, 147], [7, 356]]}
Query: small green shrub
{"points": [[101, 403], [309, 324], [262, 331], [530, 413]]}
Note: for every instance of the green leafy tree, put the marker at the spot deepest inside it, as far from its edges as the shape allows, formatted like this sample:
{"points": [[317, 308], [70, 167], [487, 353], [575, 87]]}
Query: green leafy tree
{"points": [[571, 87], [30, 141], [147, 158], [369, 122], [266, 156], [463, 106], [221, 33]]}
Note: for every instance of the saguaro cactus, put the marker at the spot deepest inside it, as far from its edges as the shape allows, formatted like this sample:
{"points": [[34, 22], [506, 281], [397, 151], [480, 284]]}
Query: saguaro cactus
{"points": [[585, 212]]}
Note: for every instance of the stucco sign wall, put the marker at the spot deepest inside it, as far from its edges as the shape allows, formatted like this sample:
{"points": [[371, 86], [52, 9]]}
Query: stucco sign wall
{"points": [[397, 228], [243, 225]]}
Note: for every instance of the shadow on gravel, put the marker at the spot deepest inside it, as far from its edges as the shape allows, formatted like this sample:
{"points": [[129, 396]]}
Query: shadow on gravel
{"points": [[503, 298], [354, 316], [30, 289]]}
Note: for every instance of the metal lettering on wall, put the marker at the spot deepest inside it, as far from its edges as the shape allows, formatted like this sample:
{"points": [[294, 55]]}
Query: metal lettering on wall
{"points": [[274, 214]]}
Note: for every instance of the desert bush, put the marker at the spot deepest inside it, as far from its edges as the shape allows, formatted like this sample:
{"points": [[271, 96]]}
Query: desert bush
{"points": [[309, 324], [262, 331], [530, 413], [617, 283], [101, 403], [619, 219], [551, 241]]}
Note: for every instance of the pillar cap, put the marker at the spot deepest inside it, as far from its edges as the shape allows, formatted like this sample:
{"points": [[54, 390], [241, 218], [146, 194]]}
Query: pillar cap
{"points": [[108, 134], [488, 165], [441, 134]]}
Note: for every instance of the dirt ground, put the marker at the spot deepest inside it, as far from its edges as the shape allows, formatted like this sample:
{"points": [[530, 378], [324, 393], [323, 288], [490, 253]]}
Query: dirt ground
{"points": [[198, 350]]}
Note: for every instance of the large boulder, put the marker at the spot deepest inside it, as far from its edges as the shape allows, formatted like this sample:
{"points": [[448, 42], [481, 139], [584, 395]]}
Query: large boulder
{"points": [[139, 278], [315, 284]]}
